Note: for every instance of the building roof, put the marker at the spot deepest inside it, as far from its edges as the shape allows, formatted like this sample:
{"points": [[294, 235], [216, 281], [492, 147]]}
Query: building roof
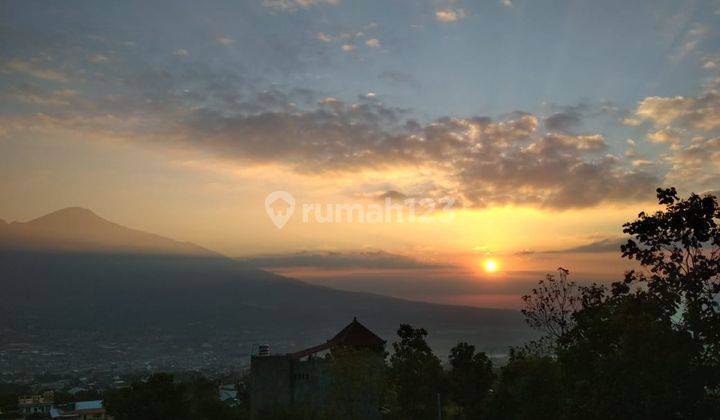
{"points": [[72, 410], [354, 334], [89, 405]]}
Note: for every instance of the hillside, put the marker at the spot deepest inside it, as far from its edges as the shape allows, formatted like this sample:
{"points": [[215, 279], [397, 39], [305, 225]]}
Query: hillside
{"points": [[72, 270]]}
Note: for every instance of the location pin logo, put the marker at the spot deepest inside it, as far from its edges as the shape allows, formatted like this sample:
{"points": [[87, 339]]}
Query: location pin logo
{"points": [[280, 206]]}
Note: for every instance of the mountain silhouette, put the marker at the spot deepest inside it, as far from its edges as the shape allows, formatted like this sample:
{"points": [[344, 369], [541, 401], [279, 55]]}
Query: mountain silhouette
{"points": [[80, 230], [73, 270]]}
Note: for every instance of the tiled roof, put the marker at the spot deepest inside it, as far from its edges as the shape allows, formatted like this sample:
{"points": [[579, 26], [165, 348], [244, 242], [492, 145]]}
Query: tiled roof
{"points": [[354, 334]]}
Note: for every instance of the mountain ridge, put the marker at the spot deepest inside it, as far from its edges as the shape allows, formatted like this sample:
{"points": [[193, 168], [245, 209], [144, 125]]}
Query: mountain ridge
{"points": [[78, 229], [68, 285]]}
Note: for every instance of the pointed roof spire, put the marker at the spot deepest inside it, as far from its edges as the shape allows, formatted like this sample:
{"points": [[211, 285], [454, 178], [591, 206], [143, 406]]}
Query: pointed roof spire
{"points": [[356, 334]]}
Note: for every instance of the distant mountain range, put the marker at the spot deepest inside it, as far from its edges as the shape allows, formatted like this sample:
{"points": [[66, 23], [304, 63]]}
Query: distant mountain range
{"points": [[73, 270], [76, 229], [374, 259]]}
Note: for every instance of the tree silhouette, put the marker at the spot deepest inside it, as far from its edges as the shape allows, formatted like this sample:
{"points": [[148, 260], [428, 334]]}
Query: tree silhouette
{"points": [[646, 347], [161, 396], [680, 251], [470, 379], [530, 388], [626, 345], [549, 307], [357, 382], [654, 335], [415, 374]]}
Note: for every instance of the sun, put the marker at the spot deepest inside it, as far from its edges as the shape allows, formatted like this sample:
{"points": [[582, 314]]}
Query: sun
{"points": [[490, 266]]}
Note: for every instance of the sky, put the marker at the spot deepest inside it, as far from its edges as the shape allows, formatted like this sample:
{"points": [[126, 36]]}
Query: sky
{"points": [[519, 132]]}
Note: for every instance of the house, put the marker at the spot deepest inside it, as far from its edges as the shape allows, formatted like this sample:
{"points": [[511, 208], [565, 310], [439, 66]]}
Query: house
{"points": [[36, 404], [306, 381], [81, 410]]}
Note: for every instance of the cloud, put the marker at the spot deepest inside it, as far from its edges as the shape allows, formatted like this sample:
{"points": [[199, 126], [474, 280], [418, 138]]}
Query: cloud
{"points": [[478, 160], [34, 95], [349, 39], [665, 135], [552, 172], [181, 53], [339, 260], [324, 37], [98, 58], [563, 122], [605, 245], [695, 165], [483, 161], [600, 246], [681, 119], [568, 119], [398, 191], [373, 42], [225, 40], [342, 36], [690, 41], [291, 5], [710, 63], [334, 135], [35, 69], [449, 15], [631, 122], [695, 113], [393, 195], [506, 3], [642, 163]]}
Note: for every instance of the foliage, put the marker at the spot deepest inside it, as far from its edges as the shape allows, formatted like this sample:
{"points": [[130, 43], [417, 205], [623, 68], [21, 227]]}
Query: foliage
{"points": [[357, 377], [647, 347], [415, 375], [680, 249], [530, 388], [549, 306], [470, 379], [627, 345], [161, 397]]}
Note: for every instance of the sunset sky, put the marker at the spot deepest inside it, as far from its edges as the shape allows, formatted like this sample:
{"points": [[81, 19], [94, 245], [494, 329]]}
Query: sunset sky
{"points": [[549, 123]]}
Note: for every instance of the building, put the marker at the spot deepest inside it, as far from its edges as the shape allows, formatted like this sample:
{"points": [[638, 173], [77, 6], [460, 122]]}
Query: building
{"points": [[81, 410], [36, 404], [305, 380], [228, 394]]}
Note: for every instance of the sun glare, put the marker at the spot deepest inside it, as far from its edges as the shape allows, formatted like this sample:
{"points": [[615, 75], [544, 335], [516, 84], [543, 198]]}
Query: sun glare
{"points": [[490, 266]]}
